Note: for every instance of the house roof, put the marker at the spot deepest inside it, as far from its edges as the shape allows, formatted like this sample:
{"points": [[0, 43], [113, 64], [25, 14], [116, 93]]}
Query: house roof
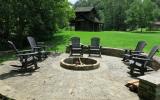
{"points": [[84, 9], [95, 20]]}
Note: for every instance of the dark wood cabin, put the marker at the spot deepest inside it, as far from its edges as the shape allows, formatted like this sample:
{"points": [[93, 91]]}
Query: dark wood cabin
{"points": [[155, 25], [87, 20]]}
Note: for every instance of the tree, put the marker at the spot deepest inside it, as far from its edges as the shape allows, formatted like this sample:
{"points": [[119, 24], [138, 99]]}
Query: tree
{"points": [[111, 12], [114, 12], [39, 18], [141, 14]]}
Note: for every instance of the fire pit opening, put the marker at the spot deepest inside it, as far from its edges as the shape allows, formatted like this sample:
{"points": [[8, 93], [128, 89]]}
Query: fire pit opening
{"points": [[80, 63]]}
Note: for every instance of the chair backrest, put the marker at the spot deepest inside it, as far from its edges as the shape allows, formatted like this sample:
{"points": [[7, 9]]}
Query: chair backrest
{"points": [[153, 51], [140, 46], [13, 46], [75, 41], [95, 41], [32, 42]]}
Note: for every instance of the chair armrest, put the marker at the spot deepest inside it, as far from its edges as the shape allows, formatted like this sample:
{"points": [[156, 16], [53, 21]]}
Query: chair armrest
{"points": [[37, 48], [139, 55], [42, 46], [25, 51], [140, 59], [28, 54], [136, 51], [40, 43]]}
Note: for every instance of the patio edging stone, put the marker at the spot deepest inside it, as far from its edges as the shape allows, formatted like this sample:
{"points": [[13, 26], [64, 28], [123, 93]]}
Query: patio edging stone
{"points": [[116, 52]]}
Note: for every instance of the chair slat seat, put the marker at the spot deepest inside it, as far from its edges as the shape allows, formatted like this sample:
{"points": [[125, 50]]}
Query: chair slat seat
{"points": [[95, 47], [26, 59], [75, 46], [143, 60], [138, 50], [37, 47]]}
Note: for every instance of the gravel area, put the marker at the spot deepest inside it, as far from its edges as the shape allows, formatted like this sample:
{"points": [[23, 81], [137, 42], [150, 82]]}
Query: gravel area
{"points": [[52, 82]]}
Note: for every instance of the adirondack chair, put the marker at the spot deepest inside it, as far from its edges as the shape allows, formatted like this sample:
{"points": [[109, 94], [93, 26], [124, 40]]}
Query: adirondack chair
{"points": [[26, 57], [141, 62], [75, 46], [139, 49], [38, 47], [95, 47]]}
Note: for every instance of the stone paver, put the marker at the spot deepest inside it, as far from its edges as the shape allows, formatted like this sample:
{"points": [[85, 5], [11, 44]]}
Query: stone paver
{"points": [[52, 82]]}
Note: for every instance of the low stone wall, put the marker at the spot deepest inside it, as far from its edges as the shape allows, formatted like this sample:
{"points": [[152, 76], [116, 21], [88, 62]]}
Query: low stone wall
{"points": [[116, 52], [156, 63], [149, 86], [105, 51], [112, 52]]}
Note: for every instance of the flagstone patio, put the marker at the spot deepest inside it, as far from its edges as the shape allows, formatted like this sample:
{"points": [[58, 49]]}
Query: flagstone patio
{"points": [[52, 82]]}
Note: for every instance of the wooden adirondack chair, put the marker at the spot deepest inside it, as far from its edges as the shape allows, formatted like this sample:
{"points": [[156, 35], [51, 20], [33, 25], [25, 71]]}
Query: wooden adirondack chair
{"points": [[75, 46], [95, 47], [38, 47], [26, 57], [141, 62], [139, 49]]}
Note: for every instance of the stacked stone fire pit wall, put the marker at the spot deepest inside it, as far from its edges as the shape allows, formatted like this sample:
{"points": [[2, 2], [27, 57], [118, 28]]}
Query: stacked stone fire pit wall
{"points": [[116, 52]]}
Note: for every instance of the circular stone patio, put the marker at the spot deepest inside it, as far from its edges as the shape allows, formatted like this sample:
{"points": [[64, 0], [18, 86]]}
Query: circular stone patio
{"points": [[52, 82]]}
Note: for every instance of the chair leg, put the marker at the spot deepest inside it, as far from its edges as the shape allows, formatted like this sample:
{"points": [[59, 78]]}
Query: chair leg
{"points": [[100, 54], [39, 56], [131, 69], [35, 62], [124, 58], [142, 70], [35, 65], [89, 52], [81, 52], [71, 53], [24, 66]]}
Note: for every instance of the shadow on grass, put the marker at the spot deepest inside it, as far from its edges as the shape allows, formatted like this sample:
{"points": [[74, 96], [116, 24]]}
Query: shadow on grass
{"points": [[58, 40], [7, 57], [147, 32]]}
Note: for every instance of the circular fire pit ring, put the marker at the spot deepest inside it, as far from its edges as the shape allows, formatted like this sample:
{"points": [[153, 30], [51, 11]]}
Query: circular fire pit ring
{"points": [[79, 63]]}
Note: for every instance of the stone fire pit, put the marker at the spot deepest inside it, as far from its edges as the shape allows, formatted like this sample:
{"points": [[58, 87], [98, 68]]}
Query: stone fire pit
{"points": [[79, 63]]}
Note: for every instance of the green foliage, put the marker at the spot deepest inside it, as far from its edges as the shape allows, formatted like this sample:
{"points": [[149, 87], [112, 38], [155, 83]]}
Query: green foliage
{"points": [[114, 11], [111, 12], [123, 14], [39, 18], [141, 14]]}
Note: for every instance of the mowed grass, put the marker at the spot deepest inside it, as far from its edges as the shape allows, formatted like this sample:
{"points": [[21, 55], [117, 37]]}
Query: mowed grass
{"points": [[114, 39]]}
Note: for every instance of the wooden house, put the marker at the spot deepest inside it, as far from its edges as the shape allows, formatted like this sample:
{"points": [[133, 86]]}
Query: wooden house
{"points": [[155, 25], [87, 19]]}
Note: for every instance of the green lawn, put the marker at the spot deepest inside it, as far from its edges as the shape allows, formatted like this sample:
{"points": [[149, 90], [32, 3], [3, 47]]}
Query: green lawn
{"points": [[7, 57], [108, 39]]}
